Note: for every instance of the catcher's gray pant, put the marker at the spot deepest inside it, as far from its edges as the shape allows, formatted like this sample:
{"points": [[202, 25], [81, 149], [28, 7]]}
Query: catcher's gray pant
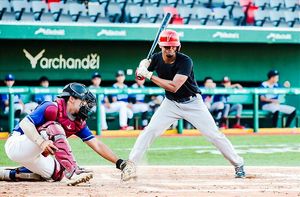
{"points": [[197, 114]]}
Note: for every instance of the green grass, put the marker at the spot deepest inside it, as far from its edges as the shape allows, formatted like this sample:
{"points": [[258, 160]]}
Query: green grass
{"points": [[185, 156]]}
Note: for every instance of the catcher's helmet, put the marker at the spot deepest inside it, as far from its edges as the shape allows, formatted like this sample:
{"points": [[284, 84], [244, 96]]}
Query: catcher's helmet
{"points": [[79, 91], [169, 38]]}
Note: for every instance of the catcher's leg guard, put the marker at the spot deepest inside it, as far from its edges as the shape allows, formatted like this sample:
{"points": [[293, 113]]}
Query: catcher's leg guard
{"points": [[19, 174], [64, 154]]}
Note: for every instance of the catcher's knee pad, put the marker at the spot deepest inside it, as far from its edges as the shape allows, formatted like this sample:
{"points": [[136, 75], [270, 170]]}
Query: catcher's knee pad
{"points": [[19, 174], [63, 155]]}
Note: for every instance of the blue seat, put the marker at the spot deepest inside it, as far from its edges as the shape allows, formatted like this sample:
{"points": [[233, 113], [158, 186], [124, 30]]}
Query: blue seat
{"points": [[56, 9], [114, 12], [238, 16], [277, 18], [260, 17], [135, 13], [291, 4], [189, 3], [222, 17], [96, 12], [186, 13], [19, 8], [291, 18], [5, 8], [276, 4], [203, 14], [38, 8], [217, 3], [76, 10], [262, 4], [154, 14]]}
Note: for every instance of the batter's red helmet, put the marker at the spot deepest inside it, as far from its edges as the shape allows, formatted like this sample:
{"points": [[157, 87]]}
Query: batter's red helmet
{"points": [[169, 38]]}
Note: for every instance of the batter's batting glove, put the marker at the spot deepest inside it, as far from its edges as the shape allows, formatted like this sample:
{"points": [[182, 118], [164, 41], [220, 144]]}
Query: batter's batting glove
{"points": [[145, 63], [142, 71]]}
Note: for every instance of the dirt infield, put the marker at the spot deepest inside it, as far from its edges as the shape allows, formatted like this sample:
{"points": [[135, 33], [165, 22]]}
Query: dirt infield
{"points": [[171, 181]]}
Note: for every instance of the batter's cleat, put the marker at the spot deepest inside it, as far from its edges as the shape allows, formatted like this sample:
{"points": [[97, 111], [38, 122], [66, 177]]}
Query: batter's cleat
{"points": [[239, 172], [128, 171], [79, 178]]}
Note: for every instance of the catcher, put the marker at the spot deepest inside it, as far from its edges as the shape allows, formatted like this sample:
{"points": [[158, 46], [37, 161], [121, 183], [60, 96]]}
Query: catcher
{"points": [[39, 142]]}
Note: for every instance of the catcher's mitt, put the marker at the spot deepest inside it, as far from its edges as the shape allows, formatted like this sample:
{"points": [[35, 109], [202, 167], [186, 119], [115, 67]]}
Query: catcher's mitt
{"points": [[128, 171]]}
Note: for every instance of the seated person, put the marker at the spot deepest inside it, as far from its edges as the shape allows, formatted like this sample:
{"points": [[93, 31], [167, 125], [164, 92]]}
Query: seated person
{"points": [[120, 103], [39, 98], [270, 102], [18, 103], [138, 102], [228, 108]]}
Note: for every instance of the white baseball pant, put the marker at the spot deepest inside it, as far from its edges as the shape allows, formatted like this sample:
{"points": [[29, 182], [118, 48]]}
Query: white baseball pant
{"points": [[194, 111], [21, 149], [124, 111]]}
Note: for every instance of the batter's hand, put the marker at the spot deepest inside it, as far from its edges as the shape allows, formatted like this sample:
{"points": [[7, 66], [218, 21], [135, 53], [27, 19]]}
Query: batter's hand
{"points": [[48, 147], [142, 71], [145, 63], [139, 77]]}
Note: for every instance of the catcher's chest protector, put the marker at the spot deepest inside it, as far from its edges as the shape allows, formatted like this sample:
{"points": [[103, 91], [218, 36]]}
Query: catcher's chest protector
{"points": [[70, 127]]}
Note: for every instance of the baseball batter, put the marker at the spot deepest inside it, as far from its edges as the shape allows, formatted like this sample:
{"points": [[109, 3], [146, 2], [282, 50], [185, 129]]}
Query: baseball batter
{"points": [[44, 133], [183, 101]]}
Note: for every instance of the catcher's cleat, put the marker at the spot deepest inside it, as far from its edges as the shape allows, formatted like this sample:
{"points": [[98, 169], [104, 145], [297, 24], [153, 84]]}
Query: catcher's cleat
{"points": [[128, 171], [4, 175], [79, 178], [239, 172]]}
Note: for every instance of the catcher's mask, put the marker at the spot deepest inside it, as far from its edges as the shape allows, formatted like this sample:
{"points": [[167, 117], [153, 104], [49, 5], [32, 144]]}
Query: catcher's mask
{"points": [[79, 91]]}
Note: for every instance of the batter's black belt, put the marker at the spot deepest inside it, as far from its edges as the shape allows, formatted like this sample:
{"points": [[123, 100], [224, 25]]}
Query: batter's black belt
{"points": [[185, 99]]}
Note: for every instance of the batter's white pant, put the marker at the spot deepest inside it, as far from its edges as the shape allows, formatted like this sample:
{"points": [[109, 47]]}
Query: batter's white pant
{"points": [[20, 149], [273, 107], [197, 114], [124, 111]]}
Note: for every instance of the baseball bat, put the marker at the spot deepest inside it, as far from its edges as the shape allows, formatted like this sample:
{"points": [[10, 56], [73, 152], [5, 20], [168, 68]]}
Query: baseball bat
{"points": [[162, 27]]}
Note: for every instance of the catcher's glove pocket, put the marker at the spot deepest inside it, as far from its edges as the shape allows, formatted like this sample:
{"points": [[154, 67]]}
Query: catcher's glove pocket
{"points": [[128, 171]]}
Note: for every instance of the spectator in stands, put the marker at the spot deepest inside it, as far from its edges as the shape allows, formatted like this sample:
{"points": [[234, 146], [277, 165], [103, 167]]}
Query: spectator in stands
{"points": [[18, 103], [138, 102], [270, 102], [229, 108], [215, 108], [120, 102], [96, 81], [39, 98]]}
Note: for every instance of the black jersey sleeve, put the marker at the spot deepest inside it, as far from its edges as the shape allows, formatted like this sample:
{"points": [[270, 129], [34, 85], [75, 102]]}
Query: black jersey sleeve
{"points": [[185, 66], [153, 62]]}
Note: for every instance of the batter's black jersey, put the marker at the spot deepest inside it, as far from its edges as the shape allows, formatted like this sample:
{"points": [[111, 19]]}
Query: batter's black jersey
{"points": [[183, 65]]}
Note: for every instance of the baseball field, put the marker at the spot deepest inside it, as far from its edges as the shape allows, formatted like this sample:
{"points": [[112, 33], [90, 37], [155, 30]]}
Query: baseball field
{"points": [[181, 166]]}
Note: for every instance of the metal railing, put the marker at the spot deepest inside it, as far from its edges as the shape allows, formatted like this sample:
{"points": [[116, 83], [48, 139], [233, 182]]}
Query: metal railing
{"points": [[255, 92]]}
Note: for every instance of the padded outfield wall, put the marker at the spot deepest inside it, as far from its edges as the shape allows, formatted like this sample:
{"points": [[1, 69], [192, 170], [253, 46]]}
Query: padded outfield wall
{"points": [[239, 55]]}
